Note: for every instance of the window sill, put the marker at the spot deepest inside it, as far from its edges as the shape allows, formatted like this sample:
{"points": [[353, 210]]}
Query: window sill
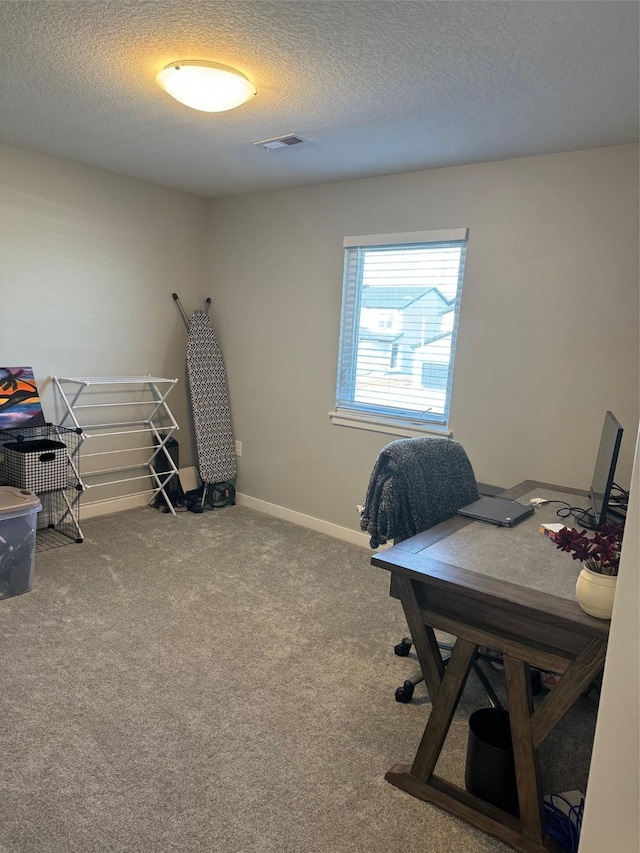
{"points": [[374, 424]]}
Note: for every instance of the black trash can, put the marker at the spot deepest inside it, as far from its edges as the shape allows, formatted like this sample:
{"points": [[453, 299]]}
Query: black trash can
{"points": [[161, 464], [490, 772]]}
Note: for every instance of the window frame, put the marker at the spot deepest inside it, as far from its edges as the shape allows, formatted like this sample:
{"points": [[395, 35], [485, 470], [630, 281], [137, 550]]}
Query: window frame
{"points": [[371, 416]]}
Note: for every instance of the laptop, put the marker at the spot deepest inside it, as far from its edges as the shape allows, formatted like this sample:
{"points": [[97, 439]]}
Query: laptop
{"points": [[496, 510]]}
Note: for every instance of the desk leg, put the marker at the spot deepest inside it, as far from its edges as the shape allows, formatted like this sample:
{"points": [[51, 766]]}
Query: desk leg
{"points": [[525, 834], [443, 710], [423, 636], [518, 684], [572, 683], [438, 724], [418, 776]]}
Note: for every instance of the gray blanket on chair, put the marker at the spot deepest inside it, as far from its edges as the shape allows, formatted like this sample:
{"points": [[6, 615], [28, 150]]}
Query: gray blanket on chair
{"points": [[415, 484]]}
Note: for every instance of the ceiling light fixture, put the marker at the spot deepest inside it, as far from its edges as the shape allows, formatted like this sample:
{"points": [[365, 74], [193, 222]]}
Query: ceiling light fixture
{"points": [[206, 86]]}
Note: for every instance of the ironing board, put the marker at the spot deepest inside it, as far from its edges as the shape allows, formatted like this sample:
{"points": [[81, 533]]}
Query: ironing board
{"points": [[210, 402]]}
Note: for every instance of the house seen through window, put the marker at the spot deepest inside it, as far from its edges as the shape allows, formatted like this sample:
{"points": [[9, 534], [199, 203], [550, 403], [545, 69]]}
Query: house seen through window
{"points": [[400, 306]]}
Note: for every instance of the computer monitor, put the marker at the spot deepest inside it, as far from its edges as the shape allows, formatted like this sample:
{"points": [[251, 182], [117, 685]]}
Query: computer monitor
{"points": [[604, 472]]}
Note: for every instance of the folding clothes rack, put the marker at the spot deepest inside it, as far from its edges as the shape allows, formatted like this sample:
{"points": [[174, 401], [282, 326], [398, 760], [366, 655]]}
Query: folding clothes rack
{"points": [[92, 405]]}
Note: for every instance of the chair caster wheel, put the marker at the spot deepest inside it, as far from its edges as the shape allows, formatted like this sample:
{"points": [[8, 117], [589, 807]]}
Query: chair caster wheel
{"points": [[402, 649], [404, 693]]}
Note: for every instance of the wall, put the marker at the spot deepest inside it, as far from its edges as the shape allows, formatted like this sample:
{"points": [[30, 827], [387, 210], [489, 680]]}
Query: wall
{"points": [[88, 262], [548, 336], [612, 809]]}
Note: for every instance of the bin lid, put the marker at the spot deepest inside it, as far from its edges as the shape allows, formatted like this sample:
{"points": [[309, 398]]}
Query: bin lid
{"points": [[12, 499]]}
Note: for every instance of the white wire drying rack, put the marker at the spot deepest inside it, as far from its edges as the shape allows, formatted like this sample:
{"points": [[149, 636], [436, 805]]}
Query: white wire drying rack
{"points": [[94, 405]]}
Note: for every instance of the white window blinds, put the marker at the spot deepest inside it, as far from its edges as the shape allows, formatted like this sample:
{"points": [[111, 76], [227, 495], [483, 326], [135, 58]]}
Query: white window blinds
{"points": [[400, 306]]}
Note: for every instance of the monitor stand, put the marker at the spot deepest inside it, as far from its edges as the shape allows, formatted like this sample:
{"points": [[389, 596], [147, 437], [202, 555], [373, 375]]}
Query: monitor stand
{"points": [[587, 520], [615, 514]]}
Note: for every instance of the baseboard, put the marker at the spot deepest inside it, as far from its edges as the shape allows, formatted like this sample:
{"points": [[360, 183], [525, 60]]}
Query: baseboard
{"points": [[309, 521], [106, 507]]}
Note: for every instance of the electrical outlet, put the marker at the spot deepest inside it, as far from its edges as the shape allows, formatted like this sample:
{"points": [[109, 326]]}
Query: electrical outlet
{"points": [[238, 448]]}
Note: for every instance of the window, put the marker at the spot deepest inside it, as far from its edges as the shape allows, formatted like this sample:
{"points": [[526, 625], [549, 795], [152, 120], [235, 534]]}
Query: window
{"points": [[394, 356], [435, 375], [400, 306]]}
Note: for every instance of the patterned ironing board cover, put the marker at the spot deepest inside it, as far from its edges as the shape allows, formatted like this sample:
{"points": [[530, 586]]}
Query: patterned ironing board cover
{"points": [[210, 402]]}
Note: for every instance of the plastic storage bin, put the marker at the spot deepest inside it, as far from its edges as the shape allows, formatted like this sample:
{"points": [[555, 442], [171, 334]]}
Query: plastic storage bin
{"points": [[19, 510]]}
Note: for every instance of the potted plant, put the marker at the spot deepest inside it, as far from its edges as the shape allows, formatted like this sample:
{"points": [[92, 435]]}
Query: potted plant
{"points": [[600, 556]]}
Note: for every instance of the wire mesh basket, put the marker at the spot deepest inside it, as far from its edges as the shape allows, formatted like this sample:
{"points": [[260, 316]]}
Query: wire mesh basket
{"points": [[59, 519]]}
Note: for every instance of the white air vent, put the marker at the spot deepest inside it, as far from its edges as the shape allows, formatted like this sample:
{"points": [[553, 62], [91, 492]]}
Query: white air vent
{"points": [[280, 142]]}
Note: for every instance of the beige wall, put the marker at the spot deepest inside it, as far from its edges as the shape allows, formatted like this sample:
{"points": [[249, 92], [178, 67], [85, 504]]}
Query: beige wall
{"points": [[548, 336], [88, 262], [612, 811]]}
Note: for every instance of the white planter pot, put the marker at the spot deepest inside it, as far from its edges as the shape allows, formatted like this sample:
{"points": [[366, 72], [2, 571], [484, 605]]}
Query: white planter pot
{"points": [[595, 593]]}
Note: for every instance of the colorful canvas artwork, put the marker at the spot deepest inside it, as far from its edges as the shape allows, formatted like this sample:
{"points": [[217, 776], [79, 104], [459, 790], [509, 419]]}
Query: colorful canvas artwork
{"points": [[19, 399]]}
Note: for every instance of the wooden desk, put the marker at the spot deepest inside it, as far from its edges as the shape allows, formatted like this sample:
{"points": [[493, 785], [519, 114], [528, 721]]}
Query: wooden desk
{"points": [[509, 589]]}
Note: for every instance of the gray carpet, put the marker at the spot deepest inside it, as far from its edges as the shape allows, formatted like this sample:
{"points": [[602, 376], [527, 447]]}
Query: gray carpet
{"points": [[221, 682]]}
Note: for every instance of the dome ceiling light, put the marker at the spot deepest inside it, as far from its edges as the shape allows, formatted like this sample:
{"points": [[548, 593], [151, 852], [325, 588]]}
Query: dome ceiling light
{"points": [[206, 86]]}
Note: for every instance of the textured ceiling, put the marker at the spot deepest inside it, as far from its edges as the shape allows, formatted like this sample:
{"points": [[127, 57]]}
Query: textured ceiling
{"points": [[375, 87]]}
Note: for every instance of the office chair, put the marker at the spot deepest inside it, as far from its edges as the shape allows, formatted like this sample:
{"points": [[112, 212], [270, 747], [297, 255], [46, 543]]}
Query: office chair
{"points": [[415, 484]]}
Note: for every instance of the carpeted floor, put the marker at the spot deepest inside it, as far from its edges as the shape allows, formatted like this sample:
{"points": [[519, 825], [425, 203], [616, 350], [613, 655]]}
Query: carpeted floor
{"points": [[222, 682]]}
